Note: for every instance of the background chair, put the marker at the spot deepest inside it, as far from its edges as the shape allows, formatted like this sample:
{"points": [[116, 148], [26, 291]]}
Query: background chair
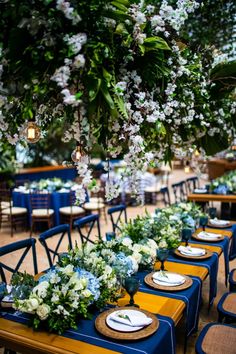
{"points": [[9, 214], [40, 209], [216, 338], [90, 222], [57, 235], [120, 211], [72, 212], [165, 196], [227, 308], [232, 280], [192, 183], [96, 203], [11, 249], [180, 192]]}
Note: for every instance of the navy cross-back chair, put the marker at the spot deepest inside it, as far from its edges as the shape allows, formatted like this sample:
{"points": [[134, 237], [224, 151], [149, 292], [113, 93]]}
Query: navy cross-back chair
{"points": [[26, 245], [60, 232], [192, 183], [120, 211], [179, 190], [88, 222], [165, 194]]}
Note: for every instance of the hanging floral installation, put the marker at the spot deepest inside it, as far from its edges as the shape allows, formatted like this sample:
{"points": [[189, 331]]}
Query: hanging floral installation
{"points": [[114, 73]]}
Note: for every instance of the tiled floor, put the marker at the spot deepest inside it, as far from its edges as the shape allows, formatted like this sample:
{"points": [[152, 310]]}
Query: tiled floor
{"points": [[132, 212]]}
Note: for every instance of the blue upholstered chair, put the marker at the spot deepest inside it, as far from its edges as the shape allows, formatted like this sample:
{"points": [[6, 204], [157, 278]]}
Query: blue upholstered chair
{"points": [[216, 338], [116, 213], [227, 308], [26, 246], [58, 234], [232, 280], [89, 223]]}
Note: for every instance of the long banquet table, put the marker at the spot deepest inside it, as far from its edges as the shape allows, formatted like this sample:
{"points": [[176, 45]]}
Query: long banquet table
{"points": [[207, 197]]}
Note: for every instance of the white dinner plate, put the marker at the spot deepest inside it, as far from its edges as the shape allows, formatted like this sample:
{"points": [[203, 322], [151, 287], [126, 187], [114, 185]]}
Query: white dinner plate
{"points": [[172, 277], [200, 191], [121, 327]]}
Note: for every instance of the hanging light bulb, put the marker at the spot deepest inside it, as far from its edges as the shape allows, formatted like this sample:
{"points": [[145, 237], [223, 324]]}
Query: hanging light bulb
{"points": [[32, 132], [187, 168], [76, 154]]}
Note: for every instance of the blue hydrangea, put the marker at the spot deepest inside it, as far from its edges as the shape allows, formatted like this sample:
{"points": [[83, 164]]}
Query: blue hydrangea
{"points": [[93, 282], [123, 266]]}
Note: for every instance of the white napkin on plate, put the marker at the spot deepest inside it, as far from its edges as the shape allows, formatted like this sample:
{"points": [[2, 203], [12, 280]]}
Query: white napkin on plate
{"points": [[208, 235], [133, 320], [168, 279], [63, 190], [200, 190], [218, 222], [191, 251]]}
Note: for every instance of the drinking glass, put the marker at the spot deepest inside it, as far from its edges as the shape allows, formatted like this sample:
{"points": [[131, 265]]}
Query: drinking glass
{"points": [[110, 236], [131, 285], [203, 222], [186, 235], [162, 254], [212, 212]]}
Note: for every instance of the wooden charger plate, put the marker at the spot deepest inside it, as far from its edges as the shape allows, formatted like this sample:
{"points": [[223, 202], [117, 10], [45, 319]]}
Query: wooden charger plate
{"points": [[217, 239], [208, 254], [220, 226], [149, 281], [103, 328]]}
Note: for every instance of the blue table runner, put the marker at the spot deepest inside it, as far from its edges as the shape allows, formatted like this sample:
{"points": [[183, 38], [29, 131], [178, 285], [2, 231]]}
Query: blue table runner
{"points": [[161, 342], [190, 296], [224, 245], [211, 264]]}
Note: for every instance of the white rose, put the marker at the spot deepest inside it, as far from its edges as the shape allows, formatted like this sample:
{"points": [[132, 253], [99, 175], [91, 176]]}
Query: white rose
{"points": [[152, 244], [41, 289], [163, 244], [43, 311], [127, 242], [137, 247], [68, 270], [86, 293], [32, 304], [137, 256]]}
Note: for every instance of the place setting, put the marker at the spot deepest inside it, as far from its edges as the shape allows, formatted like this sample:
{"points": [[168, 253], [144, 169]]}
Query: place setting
{"points": [[205, 235], [128, 322], [215, 222], [165, 280]]}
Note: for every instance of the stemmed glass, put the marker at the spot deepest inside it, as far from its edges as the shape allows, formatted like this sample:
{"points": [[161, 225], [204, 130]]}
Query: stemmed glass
{"points": [[212, 213], [203, 222], [162, 254], [131, 285], [186, 235], [110, 236]]}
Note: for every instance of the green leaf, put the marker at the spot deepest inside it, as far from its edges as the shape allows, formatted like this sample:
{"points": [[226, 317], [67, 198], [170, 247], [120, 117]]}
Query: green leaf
{"points": [[153, 43], [78, 95], [107, 76], [106, 95], [121, 29], [93, 86], [119, 5], [119, 102]]}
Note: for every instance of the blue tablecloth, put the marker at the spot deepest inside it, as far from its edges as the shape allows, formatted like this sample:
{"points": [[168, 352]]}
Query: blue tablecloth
{"points": [[57, 200], [64, 174], [190, 296], [224, 245], [211, 264], [161, 342], [232, 251]]}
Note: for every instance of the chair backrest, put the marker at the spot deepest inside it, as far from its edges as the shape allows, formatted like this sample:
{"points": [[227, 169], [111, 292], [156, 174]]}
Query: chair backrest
{"points": [[39, 200], [60, 233], [5, 201], [90, 222], [26, 246], [192, 183], [179, 190], [165, 196], [120, 211]]}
